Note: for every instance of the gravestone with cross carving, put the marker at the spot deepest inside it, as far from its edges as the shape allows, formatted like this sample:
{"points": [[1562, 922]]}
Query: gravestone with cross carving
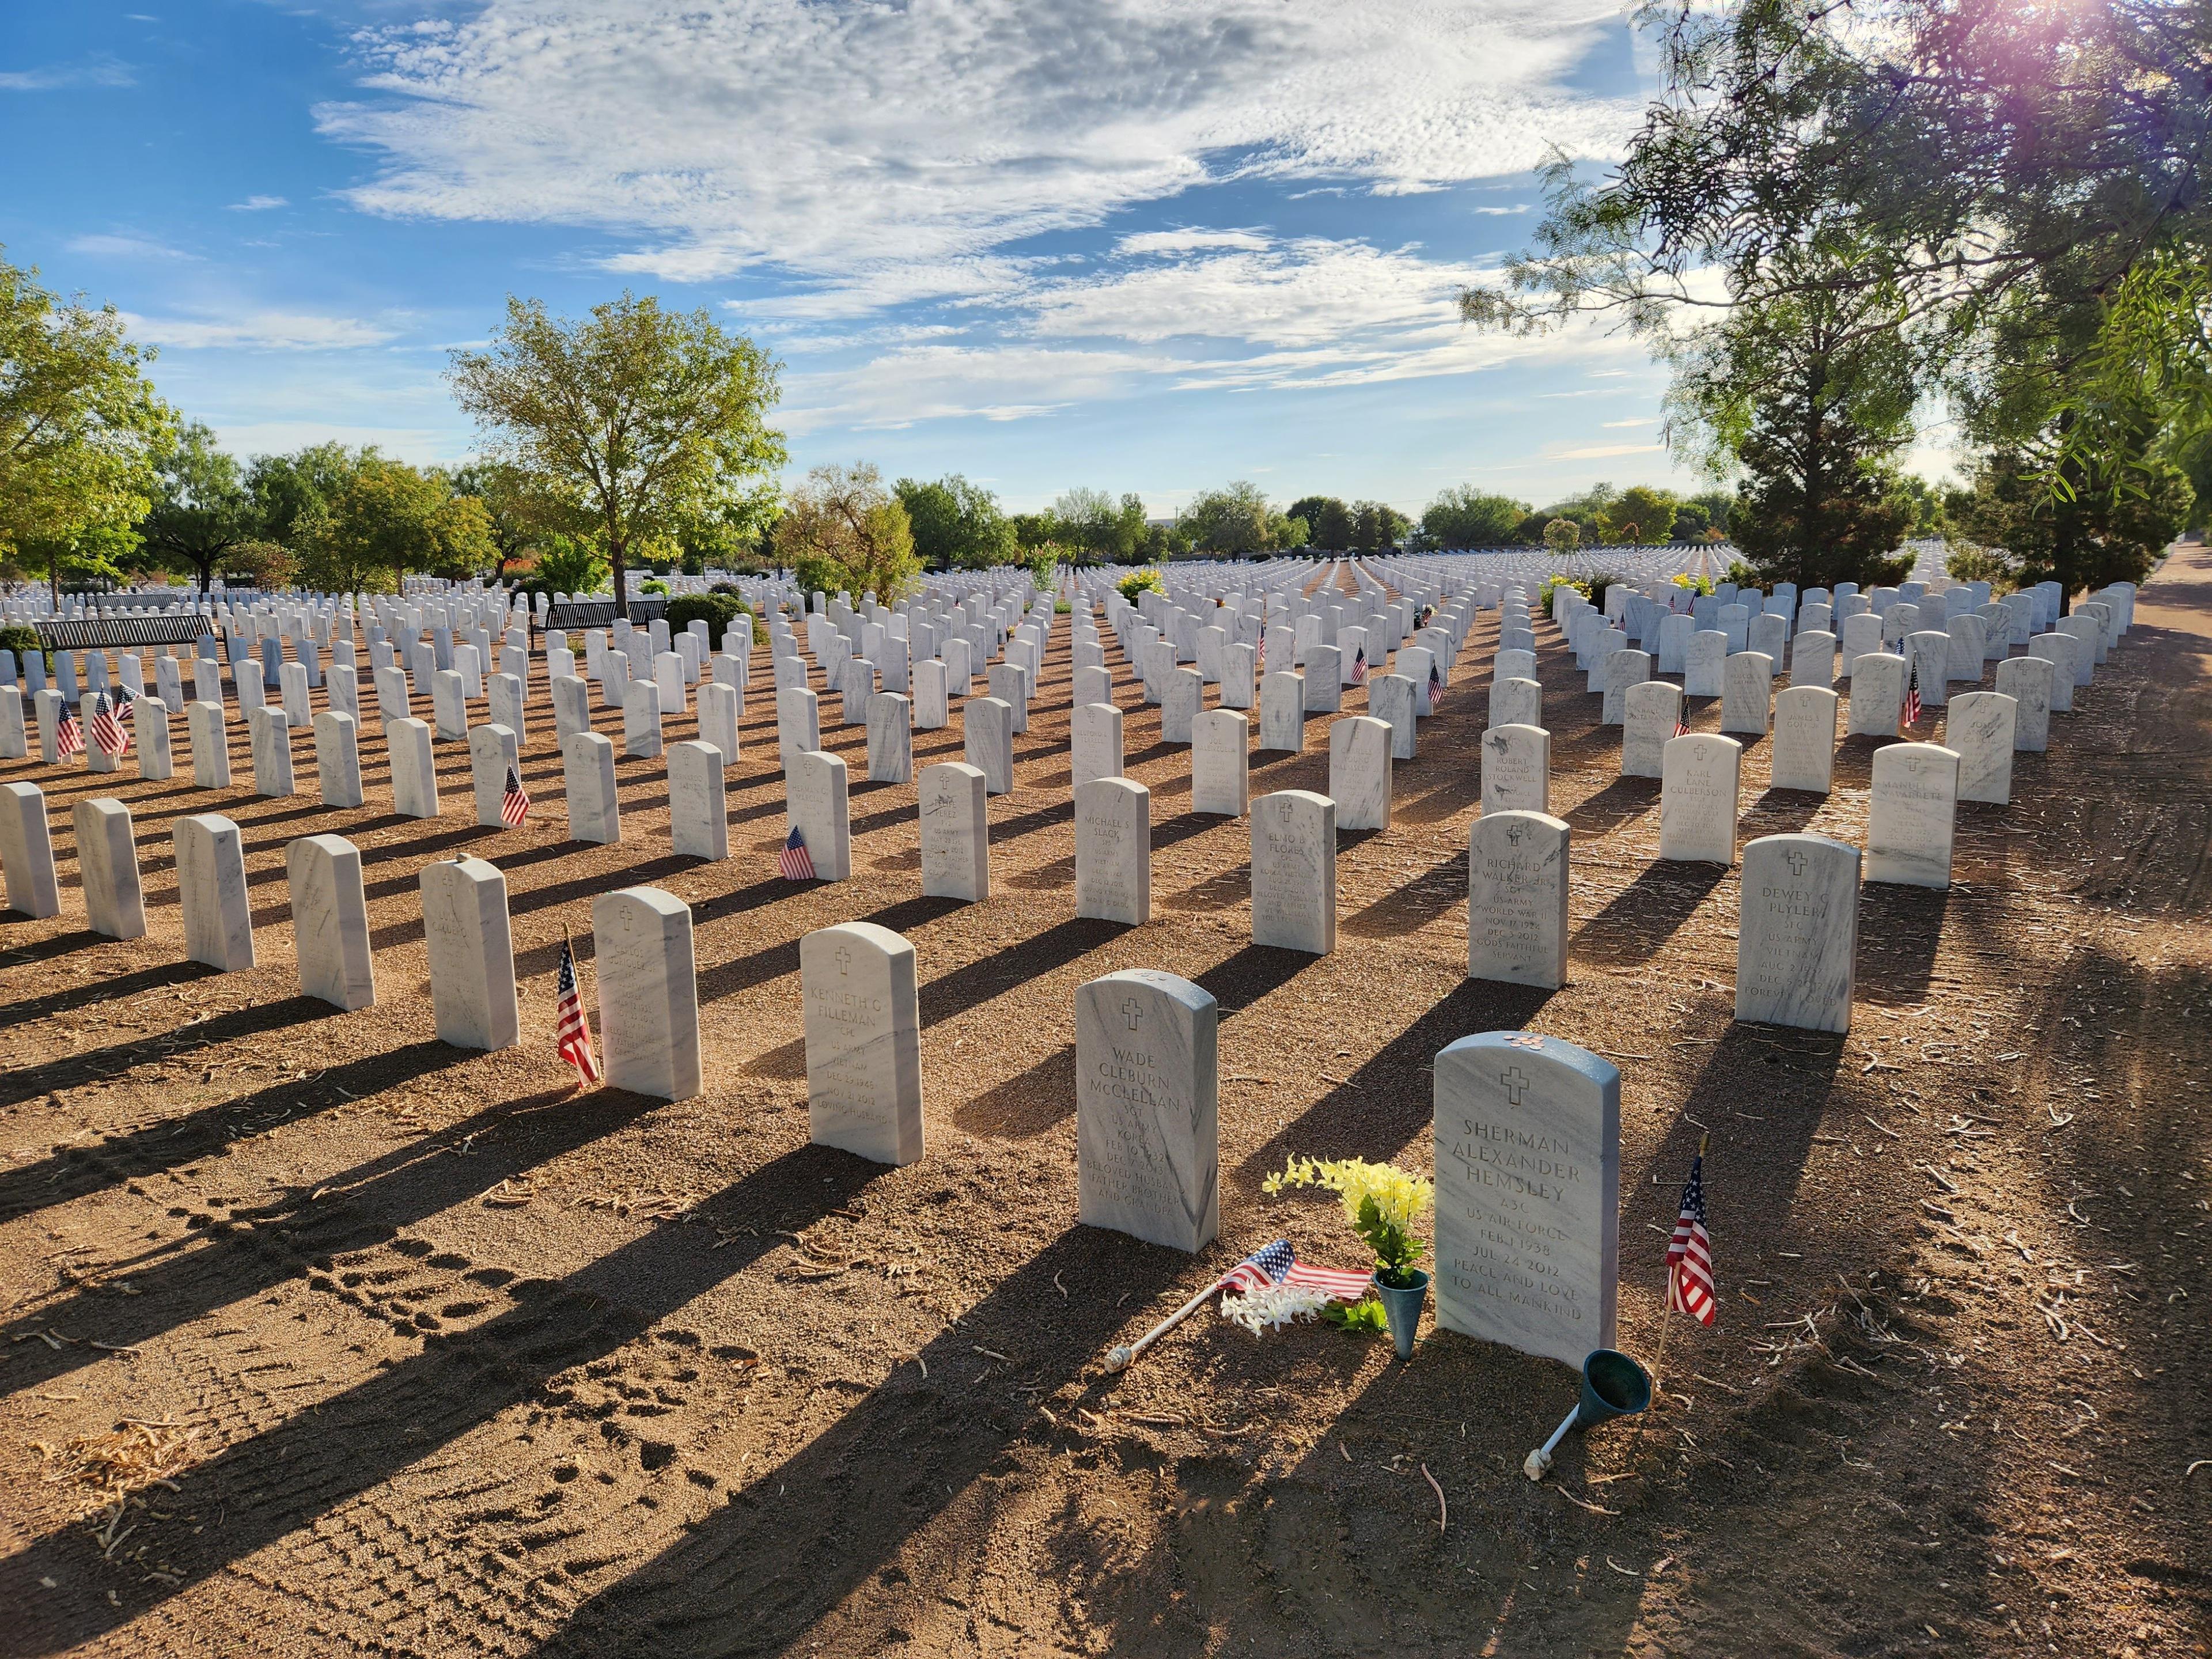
{"points": [[1528, 1150], [1294, 871], [955, 839], [863, 1041], [1113, 851], [1911, 814], [1516, 898], [1146, 1107], [649, 992], [1798, 942], [1699, 775]]}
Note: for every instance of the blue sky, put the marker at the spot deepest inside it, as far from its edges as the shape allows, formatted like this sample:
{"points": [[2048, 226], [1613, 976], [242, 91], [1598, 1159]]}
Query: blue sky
{"points": [[1130, 244]]}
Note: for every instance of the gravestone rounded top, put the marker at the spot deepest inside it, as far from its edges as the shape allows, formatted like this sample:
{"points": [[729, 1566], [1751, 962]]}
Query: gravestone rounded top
{"points": [[652, 901], [850, 937], [1490, 1061]]}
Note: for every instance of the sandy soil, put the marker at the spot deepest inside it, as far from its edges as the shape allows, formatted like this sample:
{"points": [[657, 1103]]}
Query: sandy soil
{"points": [[325, 1338]]}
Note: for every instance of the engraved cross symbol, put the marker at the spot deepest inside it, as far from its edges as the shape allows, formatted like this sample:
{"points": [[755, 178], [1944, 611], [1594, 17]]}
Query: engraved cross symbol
{"points": [[1514, 1082], [844, 960], [1795, 858], [1514, 832], [1132, 1010]]}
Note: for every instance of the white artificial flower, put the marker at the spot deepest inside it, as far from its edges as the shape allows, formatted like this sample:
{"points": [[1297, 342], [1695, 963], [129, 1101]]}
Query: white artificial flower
{"points": [[1275, 1307]]}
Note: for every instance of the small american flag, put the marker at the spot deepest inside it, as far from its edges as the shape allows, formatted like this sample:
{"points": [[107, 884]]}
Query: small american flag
{"points": [[69, 737], [514, 804], [1259, 656], [1278, 1264], [572, 1036], [1913, 693], [112, 736], [1690, 1252], [1359, 667], [1681, 727], [1436, 688], [794, 863]]}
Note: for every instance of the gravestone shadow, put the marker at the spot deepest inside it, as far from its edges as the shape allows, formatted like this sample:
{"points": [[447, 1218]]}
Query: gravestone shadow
{"points": [[1649, 911], [1900, 931]]}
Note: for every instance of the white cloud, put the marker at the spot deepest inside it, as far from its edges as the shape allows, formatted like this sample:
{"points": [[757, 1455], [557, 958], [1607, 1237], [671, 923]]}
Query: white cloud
{"points": [[1187, 241], [125, 247], [99, 71], [1612, 425], [1602, 452], [258, 205], [834, 141], [266, 331]]}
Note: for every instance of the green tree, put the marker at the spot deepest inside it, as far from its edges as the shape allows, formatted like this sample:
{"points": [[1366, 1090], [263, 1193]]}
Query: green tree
{"points": [[287, 489], [389, 519], [81, 428], [647, 417], [1376, 525], [1232, 522], [2106, 525], [571, 565], [201, 509], [1644, 515], [1810, 395], [1561, 534], [842, 529], [957, 524], [1989, 171], [1463, 516], [1328, 522]]}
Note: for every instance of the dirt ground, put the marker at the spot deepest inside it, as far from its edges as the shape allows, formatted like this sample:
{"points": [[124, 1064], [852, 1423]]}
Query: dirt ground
{"points": [[324, 1337]]}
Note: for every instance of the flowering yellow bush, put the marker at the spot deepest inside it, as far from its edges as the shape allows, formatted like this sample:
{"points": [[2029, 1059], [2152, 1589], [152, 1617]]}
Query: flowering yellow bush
{"points": [[1381, 1201]]}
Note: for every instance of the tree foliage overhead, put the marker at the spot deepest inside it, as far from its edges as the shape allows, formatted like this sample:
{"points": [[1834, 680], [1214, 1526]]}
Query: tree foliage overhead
{"points": [[842, 529], [81, 428], [2002, 204], [389, 518], [651, 419]]}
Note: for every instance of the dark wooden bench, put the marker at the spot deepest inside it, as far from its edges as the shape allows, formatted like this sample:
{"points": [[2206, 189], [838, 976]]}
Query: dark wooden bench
{"points": [[125, 633]]}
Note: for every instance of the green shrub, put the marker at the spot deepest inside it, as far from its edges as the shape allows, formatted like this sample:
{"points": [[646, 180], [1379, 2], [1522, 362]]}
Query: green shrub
{"points": [[19, 637], [653, 585], [1552, 584], [717, 610], [1141, 581]]}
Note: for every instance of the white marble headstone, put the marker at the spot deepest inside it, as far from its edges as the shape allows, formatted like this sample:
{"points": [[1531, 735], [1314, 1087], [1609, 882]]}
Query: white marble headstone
{"points": [[1910, 815], [1797, 937], [1698, 798], [1294, 871], [1528, 1160], [956, 841], [1359, 772], [648, 991], [329, 921], [1516, 898], [863, 1021], [1517, 769], [1146, 1107], [108, 862], [218, 916], [471, 953], [1113, 851]]}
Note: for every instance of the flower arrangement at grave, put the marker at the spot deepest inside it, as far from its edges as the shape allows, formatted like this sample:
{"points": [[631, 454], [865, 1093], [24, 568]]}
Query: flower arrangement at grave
{"points": [[1384, 1203]]}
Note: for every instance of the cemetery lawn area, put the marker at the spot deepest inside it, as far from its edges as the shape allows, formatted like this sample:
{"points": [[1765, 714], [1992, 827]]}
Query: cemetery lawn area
{"points": [[323, 1337]]}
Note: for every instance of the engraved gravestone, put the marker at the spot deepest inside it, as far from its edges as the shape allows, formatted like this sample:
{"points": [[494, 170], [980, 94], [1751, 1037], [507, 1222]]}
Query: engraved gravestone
{"points": [[649, 992], [1698, 798], [1516, 898], [1113, 851], [1146, 1117], [1910, 815], [1517, 769], [1797, 938], [1294, 871], [1979, 726], [863, 1041], [1527, 1158]]}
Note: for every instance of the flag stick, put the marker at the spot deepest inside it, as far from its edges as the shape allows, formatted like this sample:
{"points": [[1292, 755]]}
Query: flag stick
{"points": [[1121, 1358], [1666, 1305], [1538, 1461]]}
